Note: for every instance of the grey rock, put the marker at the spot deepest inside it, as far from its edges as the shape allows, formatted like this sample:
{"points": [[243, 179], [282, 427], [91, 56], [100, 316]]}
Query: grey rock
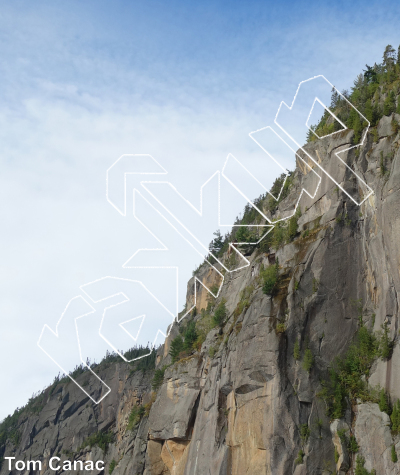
{"points": [[237, 406]]}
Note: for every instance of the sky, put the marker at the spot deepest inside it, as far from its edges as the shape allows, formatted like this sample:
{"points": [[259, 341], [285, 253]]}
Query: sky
{"points": [[82, 83]]}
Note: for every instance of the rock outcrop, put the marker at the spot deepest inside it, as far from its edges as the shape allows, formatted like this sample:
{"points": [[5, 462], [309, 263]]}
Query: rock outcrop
{"points": [[244, 403]]}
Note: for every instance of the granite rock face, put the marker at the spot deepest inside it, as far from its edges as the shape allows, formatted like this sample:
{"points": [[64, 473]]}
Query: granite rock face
{"points": [[239, 404]]}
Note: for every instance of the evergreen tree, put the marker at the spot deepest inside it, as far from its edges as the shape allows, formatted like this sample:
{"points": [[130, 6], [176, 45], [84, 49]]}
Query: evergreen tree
{"points": [[369, 112], [385, 344], [389, 57], [310, 134], [370, 74], [334, 98], [158, 378], [358, 128], [270, 276], [176, 348], [339, 404], [190, 335], [383, 402], [243, 234], [395, 417], [308, 360], [220, 314], [217, 243], [358, 83], [389, 105], [352, 117]]}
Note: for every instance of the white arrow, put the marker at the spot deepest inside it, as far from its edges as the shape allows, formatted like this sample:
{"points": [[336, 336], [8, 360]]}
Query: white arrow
{"points": [[294, 120], [60, 345]]}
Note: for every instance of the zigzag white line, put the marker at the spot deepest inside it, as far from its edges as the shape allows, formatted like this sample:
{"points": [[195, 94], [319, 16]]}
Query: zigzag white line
{"points": [[55, 333]]}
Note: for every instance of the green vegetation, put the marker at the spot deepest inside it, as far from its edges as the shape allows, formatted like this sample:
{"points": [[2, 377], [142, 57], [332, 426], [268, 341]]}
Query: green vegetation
{"points": [[141, 364], [394, 454], [135, 415], [374, 94], [360, 470], [244, 302], [245, 229], [177, 346], [382, 165], [270, 278], [181, 347], [101, 439], [219, 244], [9, 426], [283, 183], [291, 230], [148, 405], [375, 136], [386, 346], [113, 464], [190, 335], [315, 285], [318, 425], [395, 417], [280, 328], [282, 233], [210, 296], [246, 234], [158, 378], [305, 433], [203, 327], [296, 350], [348, 374], [220, 314], [308, 360], [352, 445], [384, 405], [9, 429], [342, 436], [300, 457], [336, 455], [242, 231], [242, 306]]}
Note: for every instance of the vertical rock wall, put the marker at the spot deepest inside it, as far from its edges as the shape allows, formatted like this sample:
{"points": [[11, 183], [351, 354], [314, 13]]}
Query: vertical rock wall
{"points": [[237, 406]]}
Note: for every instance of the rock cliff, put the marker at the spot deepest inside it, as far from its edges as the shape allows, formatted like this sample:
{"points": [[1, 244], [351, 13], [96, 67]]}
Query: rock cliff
{"points": [[257, 395]]}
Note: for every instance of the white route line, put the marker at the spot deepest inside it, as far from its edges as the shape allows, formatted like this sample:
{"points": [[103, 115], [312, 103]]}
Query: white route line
{"points": [[199, 211], [165, 248], [55, 333], [311, 170], [336, 153], [164, 172], [126, 299]]}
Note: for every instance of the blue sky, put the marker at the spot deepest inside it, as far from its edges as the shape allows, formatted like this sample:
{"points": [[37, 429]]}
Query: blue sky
{"points": [[83, 82]]}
